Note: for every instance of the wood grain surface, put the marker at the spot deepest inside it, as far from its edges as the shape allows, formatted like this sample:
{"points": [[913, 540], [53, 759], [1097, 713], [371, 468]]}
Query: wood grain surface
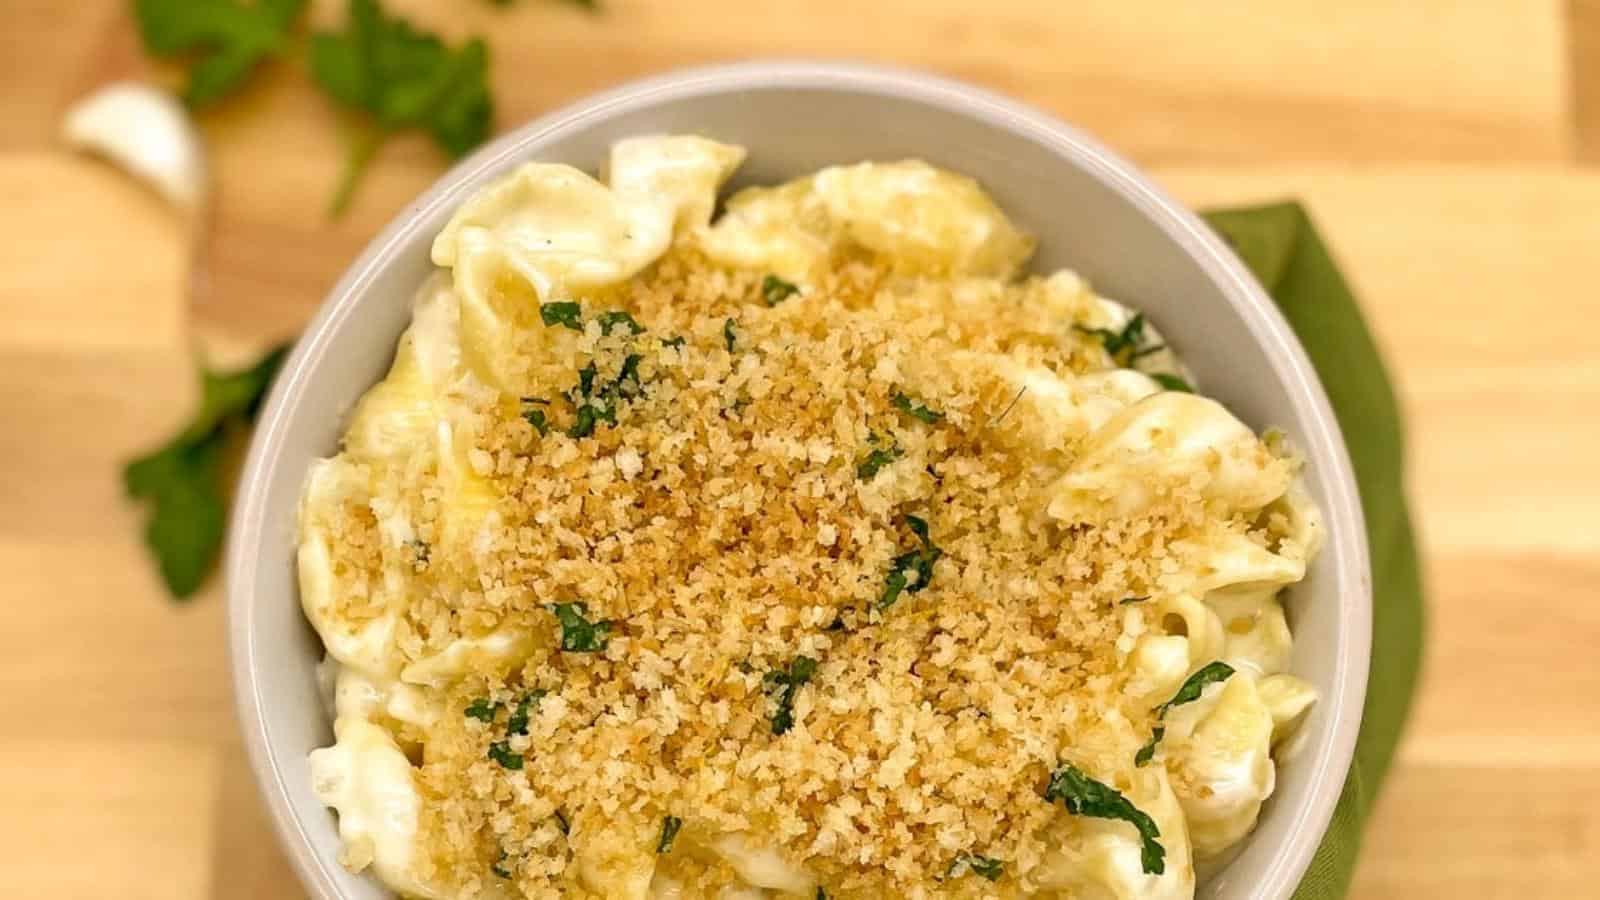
{"points": [[1442, 146]]}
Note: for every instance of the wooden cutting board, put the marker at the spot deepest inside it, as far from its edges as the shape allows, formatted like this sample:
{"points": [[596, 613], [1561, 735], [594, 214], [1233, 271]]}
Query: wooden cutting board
{"points": [[1440, 144]]}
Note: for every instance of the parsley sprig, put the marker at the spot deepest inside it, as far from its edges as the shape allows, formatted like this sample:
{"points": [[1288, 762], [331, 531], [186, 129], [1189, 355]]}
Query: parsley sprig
{"points": [[1084, 796], [782, 685], [225, 40], [912, 570], [183, 479], [397, 77]]}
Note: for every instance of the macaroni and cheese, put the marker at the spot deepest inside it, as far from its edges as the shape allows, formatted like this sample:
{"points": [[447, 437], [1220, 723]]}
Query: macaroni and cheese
{"points": [[808, 549]]}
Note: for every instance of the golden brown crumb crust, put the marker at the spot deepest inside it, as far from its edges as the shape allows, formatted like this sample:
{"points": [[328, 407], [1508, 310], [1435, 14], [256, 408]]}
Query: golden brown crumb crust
{"points": [[725, 526]]}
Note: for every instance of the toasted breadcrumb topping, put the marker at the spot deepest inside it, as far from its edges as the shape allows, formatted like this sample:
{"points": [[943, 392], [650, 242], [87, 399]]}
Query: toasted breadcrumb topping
{"points": [[723, 527]]}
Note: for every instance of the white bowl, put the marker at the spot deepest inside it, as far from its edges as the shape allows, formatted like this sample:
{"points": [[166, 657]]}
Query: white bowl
{"points": [[1092, 212]]}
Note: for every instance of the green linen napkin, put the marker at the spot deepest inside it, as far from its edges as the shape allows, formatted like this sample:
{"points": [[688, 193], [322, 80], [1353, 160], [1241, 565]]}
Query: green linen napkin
{"points": [[1279, 243]]}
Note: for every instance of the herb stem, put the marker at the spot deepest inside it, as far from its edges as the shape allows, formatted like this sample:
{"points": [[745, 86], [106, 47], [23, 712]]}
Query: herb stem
{"points": [[363, 145]]}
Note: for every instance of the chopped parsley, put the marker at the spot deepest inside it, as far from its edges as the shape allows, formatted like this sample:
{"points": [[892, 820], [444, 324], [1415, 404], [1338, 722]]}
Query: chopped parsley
{"points": [[499, 867], [562, 823], [1148, 751], [918, 563], [535, 416], [518, 723], [617, 318], [1171, 382], [1083, 796], [728, 335], [501, 752], [482, 710], [878, 457], [915, 409], [421, 552], [986, 866], [782, 685], [1127, 600], [1195, 684], [675, 341], [578, 634], [1189, 692], [1123, 346], [669, 833], [566, 313], [775, 290], [596, 404]]}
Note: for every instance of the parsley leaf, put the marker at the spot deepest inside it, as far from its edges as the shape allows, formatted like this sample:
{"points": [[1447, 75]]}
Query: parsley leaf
{"points": [[986, 866], [1190, 691], [1148, 751], [782, 685], [499, 868], [868, 467], [918, 562], [914, 409], [617, 318], [1083, 796], [183, 478], [518, 723], [226, 39], [562, 823], [501, 752], [1127, 600], [482, 710], [775, 290], [595, 405], [578, 634], [401, 78], [728, 335], [566, 313], [1195, 684], [669, 833], [1171, 382], [536, 416], [1122, 346], [676, 341]]}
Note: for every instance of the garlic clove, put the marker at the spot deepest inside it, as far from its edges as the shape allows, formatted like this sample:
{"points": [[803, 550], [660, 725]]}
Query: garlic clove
{"points": [[146, 132]]}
